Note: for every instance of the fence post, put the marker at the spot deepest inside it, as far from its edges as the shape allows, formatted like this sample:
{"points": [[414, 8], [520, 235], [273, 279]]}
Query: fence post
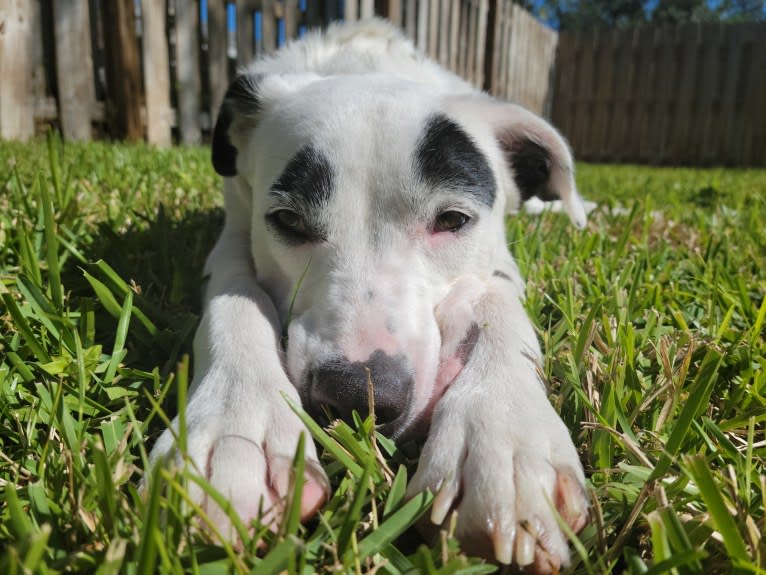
{"points": [[245, 46], [16, 95], [395, 12], [123, 70], [187, 27], [217, 61], [74, 66], [367, 9], [159, 114], [351, 11]]}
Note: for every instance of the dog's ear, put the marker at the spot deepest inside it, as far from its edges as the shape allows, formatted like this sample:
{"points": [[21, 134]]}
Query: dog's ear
{"points": [[249, 96], [538, 158], [242, 101]]}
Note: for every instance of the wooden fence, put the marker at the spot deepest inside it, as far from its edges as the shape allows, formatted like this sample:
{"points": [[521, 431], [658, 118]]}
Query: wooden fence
{"points": [[523, 61], [157, 70], [691, 94]]}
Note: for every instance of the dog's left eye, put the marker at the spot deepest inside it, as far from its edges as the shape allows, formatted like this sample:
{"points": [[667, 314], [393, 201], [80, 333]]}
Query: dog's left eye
{"points": [[450, 221]]}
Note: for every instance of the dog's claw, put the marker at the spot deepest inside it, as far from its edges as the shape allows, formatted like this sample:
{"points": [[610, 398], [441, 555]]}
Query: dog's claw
{"points": [[525, 546], [502, 543], [443, 501]]}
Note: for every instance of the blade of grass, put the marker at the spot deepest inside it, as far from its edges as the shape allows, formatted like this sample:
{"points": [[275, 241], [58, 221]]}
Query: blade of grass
{"points": [[395, 524], [292, 516], [119, 339], [51, 243], [397, 491], [698, 398], [324, 439], [24, 329], [697, 468]]}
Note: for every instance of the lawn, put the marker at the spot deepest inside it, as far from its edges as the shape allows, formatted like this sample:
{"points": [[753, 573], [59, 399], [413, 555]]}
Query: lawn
{"points": [[653, 322]]}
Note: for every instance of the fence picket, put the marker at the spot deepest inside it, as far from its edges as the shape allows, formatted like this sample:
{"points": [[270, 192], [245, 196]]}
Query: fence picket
{"points": [[126, 96], [75, 68], [16, 61], [217, 60], [187, 24], [159, 114]]}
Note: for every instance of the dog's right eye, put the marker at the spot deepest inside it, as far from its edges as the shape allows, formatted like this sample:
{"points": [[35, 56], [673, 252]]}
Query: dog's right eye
{"points": [[289, 220], [291, 226]]}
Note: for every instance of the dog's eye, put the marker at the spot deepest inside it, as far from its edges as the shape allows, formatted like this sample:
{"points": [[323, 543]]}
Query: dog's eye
{"points": [[289, 220], [450, 221]]}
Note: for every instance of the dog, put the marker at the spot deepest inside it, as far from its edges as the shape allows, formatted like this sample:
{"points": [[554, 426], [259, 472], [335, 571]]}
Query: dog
{"points": [[366, 190]]}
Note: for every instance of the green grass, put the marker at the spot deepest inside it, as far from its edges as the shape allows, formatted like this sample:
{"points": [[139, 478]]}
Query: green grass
{"points": [[653, 323]]}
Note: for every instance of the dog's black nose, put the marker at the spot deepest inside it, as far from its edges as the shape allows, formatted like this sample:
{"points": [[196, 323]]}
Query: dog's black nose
{"points": [[344, 386]]}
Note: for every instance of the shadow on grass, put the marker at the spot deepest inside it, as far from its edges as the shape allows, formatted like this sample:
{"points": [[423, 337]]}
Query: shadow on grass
{"points": [[162, 259]]}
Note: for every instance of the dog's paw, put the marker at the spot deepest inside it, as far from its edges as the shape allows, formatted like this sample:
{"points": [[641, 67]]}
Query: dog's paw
{"points": [[507, 482], [245, 450]]}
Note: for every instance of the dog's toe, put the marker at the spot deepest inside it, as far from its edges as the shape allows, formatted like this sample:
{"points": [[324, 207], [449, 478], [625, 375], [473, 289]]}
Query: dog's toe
{"points": [[257, 483], [570, 498], [315, 484], [237, 469]]}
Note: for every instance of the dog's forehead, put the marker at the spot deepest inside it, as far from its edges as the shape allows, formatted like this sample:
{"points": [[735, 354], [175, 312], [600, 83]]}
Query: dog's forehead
{"points": [[381, 137]]}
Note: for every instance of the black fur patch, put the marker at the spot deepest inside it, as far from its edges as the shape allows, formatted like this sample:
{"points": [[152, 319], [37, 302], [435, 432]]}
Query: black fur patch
{"points": [[304, 187], [308, 178], [531, 165], [447, 157], [241, 100]]}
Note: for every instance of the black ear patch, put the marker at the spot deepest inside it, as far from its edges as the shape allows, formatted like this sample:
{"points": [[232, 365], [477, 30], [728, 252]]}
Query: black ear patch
{"points": [[531, 165], [241, 99], [448, 157]]}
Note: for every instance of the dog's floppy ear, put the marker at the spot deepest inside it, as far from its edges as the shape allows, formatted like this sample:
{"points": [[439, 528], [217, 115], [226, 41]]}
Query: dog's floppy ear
{"points": [[249, 96], [242, 101], [538, 158]]}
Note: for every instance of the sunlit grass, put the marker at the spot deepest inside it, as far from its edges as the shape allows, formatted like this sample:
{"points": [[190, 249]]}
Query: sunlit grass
{"points": [[652, 321]]}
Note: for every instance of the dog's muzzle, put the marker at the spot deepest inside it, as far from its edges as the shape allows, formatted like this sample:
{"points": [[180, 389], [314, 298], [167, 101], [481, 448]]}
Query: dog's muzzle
{"points": [[344, 387]]}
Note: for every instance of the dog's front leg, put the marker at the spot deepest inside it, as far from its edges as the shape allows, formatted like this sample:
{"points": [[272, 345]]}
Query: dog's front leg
{"points": [[497, 452], [241, 435]]}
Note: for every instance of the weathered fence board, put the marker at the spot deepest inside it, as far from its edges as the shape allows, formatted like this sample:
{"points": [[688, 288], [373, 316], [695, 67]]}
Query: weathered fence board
{"points": [[17, 21], [74, 67], [523, 55], [688, 94], [123, 73], [159, 114], [217, 60], [187, 46]]}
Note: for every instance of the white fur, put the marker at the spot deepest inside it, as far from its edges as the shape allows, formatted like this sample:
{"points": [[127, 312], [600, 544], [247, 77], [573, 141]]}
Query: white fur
{"points": [[361, 93]]}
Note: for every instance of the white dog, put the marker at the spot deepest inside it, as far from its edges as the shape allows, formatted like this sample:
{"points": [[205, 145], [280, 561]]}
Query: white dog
{"points": [[365, 194]]}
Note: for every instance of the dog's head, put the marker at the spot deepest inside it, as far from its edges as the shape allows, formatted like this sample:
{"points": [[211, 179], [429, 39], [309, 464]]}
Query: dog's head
{"points": [[369, 198]]}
